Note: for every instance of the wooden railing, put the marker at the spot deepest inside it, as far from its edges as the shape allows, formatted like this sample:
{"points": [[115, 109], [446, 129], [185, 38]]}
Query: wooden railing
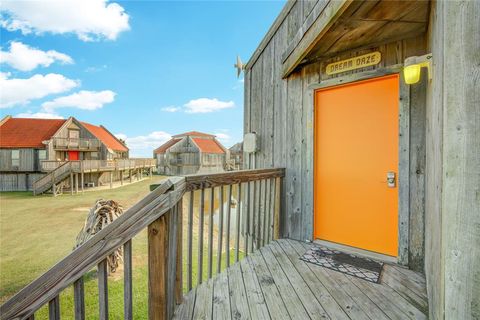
{"points": [[54, 176], [76, 143], [256, 194], [100, 165]]}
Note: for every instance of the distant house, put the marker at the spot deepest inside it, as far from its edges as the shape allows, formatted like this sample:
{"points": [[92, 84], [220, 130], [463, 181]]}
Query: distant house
{"points": [[31, 149], [235, 160], [190, 152]]}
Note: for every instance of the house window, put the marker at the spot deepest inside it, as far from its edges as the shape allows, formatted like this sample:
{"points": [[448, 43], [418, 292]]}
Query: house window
{"points": [[73, 134], [15, 158], [42, 154], [94, 155]]}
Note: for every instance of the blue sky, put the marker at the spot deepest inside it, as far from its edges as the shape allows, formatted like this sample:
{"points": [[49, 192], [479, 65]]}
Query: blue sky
{"points": [[144, 69]]}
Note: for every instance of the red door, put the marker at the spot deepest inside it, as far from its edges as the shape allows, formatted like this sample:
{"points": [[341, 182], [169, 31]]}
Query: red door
{"points": [[73, 155]]}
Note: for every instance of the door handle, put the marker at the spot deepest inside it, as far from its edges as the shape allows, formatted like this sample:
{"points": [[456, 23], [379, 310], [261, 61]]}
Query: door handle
{"points": [[391, 179]]}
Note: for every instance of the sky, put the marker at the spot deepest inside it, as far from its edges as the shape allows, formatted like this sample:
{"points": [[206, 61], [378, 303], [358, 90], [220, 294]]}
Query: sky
{"points": [[146, 70]]}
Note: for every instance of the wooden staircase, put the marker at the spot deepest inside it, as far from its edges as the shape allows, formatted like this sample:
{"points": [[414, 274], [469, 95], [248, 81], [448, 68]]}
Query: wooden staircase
{"points": [[53, 179]]}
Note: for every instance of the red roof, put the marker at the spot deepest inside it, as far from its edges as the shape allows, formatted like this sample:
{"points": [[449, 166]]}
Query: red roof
{"points": [[208, 145], [163, 148], [28, 133], [193, 133], [106, 137]]}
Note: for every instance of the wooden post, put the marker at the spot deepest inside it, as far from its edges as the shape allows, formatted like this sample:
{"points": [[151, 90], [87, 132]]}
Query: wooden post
{"points": [[111, 179], [76, 183], [278, 209], [82, 181], [121, 177], [71, 183], [54, 187], [179, 250], [158, 267], [130, 174], [150, 173]]}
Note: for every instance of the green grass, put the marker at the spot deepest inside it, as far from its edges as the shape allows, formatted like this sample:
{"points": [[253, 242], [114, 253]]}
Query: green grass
{"points": [[36, 232]]}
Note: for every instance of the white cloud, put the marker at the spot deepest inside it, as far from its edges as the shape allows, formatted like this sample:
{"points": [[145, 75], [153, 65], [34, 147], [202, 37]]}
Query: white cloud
{"points": [[22, 91], [39, 115], [171, 109], [95, 69], [206, 105], [25, 58], [222, 137], [143, 146], [89, 20], [86, 100]]}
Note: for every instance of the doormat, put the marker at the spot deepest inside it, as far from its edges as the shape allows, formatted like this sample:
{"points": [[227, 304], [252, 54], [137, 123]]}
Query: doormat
{"points": [[363, 268]]}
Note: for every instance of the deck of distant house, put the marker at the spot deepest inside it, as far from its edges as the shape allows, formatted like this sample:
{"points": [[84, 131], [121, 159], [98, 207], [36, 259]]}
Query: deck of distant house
{"points": [[273, 283]]}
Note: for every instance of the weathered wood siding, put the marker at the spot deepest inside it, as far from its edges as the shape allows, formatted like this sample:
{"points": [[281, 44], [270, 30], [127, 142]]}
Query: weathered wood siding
{"points": [[280, 112], [453, 162], [18, 181], [28, 161]]}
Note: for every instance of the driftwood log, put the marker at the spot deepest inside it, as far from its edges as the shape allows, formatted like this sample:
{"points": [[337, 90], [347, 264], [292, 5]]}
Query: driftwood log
{"points": [[102, 214]]}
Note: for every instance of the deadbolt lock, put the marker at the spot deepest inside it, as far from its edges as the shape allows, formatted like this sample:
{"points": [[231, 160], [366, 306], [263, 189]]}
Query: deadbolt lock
{"points": [[391, 180]]}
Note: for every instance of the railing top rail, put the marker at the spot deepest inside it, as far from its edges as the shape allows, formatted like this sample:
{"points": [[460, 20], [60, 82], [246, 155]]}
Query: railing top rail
{"points": [[97, 248], [202, 181]]}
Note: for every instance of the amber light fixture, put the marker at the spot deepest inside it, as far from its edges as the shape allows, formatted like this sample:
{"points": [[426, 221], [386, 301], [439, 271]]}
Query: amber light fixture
{"points": [[413, 68]]}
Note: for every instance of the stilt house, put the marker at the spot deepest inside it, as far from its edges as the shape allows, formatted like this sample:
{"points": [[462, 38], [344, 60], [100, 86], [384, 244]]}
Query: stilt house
{"points": [[35, 153], [190, 152], [235, 161]]}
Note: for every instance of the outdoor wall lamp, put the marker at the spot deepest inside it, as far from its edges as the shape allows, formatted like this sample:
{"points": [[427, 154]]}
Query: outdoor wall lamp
{"points": [[413, 68]]}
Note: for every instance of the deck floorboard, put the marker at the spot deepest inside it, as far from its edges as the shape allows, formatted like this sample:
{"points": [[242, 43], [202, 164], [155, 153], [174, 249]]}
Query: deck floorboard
{"points": [[273, 283]]}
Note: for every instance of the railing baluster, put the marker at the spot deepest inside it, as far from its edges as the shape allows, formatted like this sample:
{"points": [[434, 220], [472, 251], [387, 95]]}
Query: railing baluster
{"points": [[253, 217], [271, 209], [247, 219], [200, 237], [127, 281], [79, 299], [54, 309], [210, 232], [189, 240], [227, 235], [266, 217], [103, 290], [239, 213], [276, 212], [220, 231], [261, 212], [178, 252]]}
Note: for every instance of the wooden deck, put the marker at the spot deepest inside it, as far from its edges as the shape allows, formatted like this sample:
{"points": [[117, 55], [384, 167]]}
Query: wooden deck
{"points": [[273, 283]]}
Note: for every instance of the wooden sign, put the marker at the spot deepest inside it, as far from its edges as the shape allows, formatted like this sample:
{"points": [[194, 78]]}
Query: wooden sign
{"points": [[366, 60]]}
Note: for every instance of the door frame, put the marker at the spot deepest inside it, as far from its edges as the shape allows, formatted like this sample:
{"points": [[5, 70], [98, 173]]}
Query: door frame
{"points": [[403, 148]]}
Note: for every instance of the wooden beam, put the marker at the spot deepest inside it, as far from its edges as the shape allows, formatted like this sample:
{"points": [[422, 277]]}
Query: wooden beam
{"points": [[82, 177], [71, 183], [157, 267], [303, 45]]}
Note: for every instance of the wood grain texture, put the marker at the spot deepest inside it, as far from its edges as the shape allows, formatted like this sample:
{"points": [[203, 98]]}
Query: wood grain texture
{"points": [[79, 299], [102, 275], [54, 309], [273, 283], [127, 281], [461, 159]]}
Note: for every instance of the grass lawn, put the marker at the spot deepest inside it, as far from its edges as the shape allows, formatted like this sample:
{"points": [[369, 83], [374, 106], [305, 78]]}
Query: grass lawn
{"points": [[36, 232]]}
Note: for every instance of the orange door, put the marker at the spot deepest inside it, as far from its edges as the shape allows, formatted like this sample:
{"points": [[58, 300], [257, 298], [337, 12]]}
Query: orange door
{"points": [[73, 155], [356, 145]]}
